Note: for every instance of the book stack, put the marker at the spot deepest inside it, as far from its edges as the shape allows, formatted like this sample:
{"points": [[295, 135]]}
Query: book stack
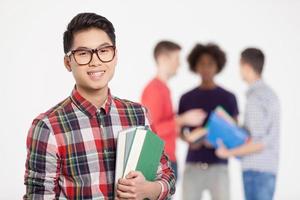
{"points": [[138, 149]]}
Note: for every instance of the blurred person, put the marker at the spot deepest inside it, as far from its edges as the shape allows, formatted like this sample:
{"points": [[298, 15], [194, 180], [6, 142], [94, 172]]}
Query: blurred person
{"points": [[204, 170], [71, 148], [156, 98], [262, 121]]}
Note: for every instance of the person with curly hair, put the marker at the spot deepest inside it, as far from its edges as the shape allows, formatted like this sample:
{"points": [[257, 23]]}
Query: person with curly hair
{"points": [[204, 170]]}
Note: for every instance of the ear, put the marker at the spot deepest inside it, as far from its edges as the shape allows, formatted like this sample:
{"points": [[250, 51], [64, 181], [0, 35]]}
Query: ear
{"points": [[67, 63]]}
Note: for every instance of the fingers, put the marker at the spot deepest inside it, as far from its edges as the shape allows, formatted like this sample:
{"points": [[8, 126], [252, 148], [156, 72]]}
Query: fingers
{"points": [[125, 188], [127, 182], [133, 174], [125, 195]]}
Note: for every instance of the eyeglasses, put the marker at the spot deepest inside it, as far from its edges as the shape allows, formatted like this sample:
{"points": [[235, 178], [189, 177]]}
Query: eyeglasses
{"points": [[85, 56]]}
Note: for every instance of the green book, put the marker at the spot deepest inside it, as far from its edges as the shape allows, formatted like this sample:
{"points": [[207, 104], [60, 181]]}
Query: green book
{"points": [[145, 154]]}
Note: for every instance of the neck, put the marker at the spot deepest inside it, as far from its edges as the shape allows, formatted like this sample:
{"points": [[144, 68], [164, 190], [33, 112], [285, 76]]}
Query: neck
{"points": [[96, 97], [209, 84], [162, 76], [253, 80]]}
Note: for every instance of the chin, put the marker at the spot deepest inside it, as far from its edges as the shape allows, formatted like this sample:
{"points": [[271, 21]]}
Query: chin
{"points": [[96, 86], [99, 87]]}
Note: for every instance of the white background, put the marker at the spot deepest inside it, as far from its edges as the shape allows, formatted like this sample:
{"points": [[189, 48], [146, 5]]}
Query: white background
{"points": [[33, 78]]}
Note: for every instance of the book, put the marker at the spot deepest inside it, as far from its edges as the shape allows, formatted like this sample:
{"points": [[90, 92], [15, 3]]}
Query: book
{"points": [[121, 159], [138, 149], [221, 126], [145, 154]]}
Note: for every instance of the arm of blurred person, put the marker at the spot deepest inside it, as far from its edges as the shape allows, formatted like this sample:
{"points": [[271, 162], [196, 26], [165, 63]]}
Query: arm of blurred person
{"points": [[245, 149], [193, 117], [155, 102], [166, 126], [258, 119]]}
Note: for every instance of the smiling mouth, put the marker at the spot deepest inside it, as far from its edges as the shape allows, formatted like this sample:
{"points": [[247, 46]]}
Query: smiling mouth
{"points": [[96, 74]]}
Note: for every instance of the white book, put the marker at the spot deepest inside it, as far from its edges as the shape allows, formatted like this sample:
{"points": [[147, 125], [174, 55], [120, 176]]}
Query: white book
{"points": [[120, 157], [123, 146], [135, 152]]}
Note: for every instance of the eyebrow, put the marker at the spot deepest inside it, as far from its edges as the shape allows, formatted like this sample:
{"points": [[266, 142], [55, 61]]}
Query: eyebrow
{"points": [[101, 45]]}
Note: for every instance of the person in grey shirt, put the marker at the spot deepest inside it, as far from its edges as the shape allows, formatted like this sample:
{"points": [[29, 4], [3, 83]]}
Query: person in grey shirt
{"points": [[262, 121]]}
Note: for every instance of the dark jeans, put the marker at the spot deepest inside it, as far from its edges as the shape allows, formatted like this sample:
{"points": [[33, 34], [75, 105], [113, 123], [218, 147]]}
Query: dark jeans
{"points": [[174, 167], [259, 185]]}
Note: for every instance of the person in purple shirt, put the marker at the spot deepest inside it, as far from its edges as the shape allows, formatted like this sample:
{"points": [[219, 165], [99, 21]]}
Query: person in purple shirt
{"points": [[204, 170]]}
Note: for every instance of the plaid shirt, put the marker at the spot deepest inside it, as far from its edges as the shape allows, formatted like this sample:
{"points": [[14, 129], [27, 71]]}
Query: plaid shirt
{"points": [[72, 149]]}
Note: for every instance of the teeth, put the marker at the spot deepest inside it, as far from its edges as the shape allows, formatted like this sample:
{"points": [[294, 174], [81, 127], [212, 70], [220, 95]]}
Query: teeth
{"points": [[95, 73]]}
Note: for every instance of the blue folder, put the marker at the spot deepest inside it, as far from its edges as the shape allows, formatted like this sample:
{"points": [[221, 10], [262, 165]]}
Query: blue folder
{"points": [[231, 135]]}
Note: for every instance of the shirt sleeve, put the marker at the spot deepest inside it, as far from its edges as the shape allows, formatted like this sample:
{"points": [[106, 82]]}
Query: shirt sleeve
{"points": [[258, 118], [155, 104], [165, 174], [42, 163], [166, 177]]}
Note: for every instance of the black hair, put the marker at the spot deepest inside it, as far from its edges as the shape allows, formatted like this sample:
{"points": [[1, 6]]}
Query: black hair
{"points": [[84, 21], [255, 58], [165, 46], [211, 49]]}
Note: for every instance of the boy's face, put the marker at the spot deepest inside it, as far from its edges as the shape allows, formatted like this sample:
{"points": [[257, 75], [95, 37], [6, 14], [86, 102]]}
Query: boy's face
{"points": [[96, 74], [244, 70], [170, 61], [206, 67]]}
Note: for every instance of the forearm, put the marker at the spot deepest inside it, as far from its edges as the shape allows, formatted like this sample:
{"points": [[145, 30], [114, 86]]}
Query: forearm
{"points": [[247, 148], [180, 120], [153, 190]]}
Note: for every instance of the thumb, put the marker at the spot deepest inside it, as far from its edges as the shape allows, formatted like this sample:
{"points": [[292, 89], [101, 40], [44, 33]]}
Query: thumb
{"points": [[132, 174]]}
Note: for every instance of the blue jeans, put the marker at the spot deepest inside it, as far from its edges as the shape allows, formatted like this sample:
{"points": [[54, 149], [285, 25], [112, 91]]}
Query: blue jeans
{"points": [[259, 185]]}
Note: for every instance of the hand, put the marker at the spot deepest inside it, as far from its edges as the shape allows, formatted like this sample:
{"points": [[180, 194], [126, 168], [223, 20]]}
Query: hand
{"points": [[207, 144], [194, 117], [222, 151], [195, 135], [136, 187]]}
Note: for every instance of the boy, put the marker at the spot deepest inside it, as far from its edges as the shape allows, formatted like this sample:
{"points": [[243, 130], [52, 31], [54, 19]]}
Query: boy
{"points": [[157, 98], [262, 120], [72, 147], [204, 171]]}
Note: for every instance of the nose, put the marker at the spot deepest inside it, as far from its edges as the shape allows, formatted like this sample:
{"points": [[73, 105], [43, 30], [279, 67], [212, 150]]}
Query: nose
{"points": [[95, 60]]}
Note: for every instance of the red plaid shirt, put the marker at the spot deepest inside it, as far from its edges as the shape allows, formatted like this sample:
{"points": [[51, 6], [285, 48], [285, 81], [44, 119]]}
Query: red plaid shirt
{"points": [[72, 149]]}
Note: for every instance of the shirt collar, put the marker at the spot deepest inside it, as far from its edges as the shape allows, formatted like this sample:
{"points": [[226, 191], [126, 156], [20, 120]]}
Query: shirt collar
{"points": [[257, 84], [87, 107]]}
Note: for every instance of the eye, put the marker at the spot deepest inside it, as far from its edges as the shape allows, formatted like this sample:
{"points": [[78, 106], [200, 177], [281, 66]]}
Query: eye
{"points": [[82, 53], [104, 50]]}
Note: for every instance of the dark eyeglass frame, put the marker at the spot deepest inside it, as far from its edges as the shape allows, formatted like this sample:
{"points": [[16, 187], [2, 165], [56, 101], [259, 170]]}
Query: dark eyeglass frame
{"points": [[92, 51]]}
